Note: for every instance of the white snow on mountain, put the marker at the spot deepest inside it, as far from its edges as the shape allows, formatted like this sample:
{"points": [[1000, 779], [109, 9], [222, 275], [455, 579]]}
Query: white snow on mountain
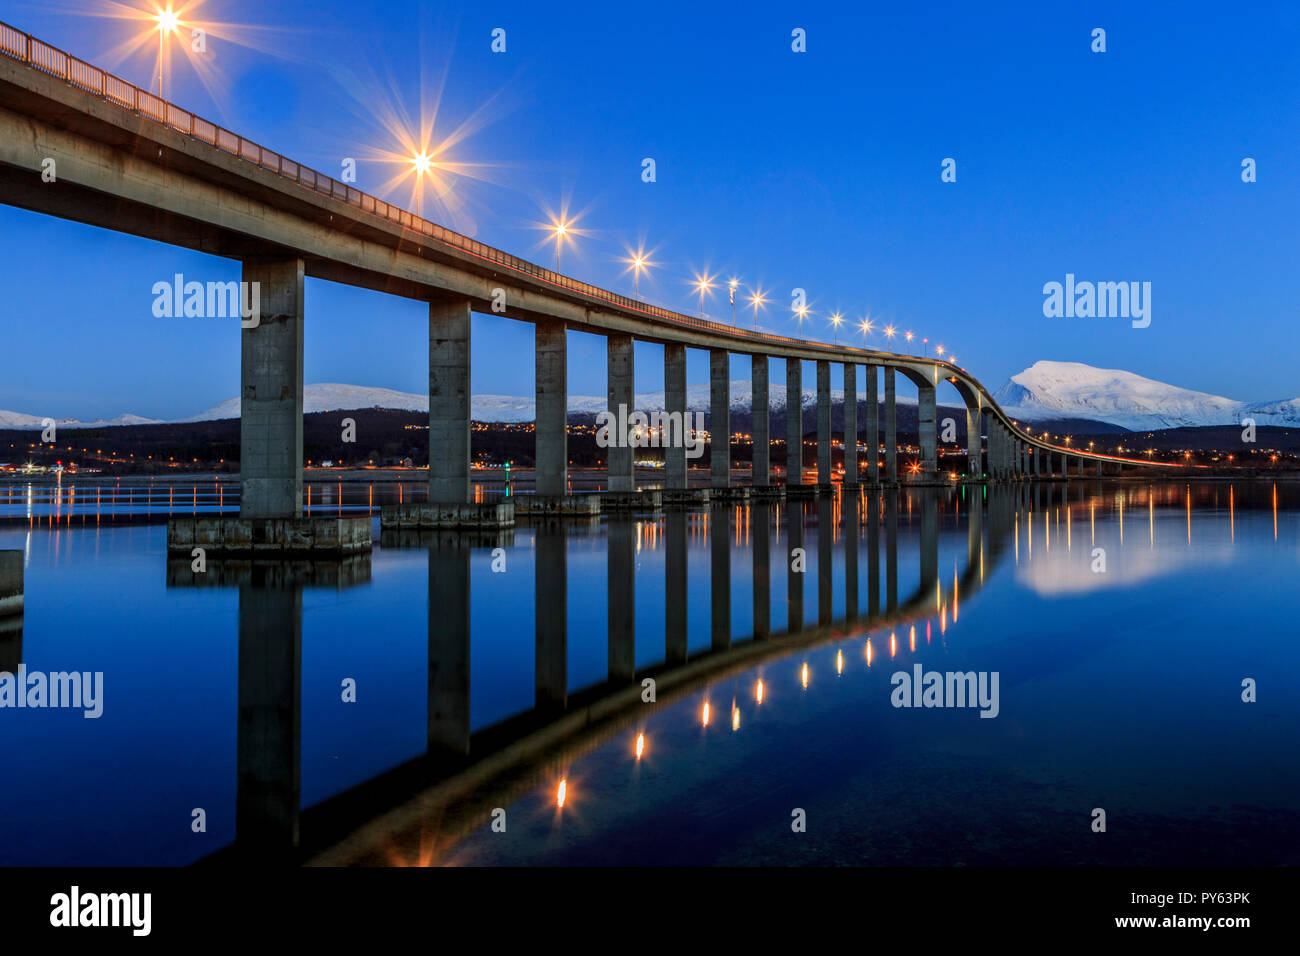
{"points": [[1050, 390], [1045, 390]]}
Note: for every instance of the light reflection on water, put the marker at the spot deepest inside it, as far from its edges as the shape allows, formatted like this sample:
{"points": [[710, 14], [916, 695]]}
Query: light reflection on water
{"points": [[1120, 687]]}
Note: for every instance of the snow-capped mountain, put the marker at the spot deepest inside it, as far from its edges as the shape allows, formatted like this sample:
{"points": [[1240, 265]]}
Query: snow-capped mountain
{"points": [[1044, 391], [1055, 390]]}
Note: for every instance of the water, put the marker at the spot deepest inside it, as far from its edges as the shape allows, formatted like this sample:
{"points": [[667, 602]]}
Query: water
{"points": [[1119, 689]]}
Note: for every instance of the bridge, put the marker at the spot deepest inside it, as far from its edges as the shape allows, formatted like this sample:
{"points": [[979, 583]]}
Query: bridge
{"points": [[129, 161]]}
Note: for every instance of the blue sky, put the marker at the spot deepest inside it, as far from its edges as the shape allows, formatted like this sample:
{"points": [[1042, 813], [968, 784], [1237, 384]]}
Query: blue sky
{"points": [[817, 170]]}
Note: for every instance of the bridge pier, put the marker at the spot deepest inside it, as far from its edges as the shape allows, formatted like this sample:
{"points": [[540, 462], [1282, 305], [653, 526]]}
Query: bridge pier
{"points": [[823, 423], [720, 418], [621, 478], [974, 440], [675, 404], [552, 410], [872, 396], [793, 422], [550, 619], [760, 411], [926, 416], [449, 398], [269, 729], [891, 428], [270, 407], [621, 545], [720, 575], [448, 712], [850, 425]]}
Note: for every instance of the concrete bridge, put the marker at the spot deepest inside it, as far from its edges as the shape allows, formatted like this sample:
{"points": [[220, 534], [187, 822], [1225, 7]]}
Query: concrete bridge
{"points": [[129, 161]]}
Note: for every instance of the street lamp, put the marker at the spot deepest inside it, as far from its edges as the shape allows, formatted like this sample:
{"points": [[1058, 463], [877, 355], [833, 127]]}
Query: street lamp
{"points": [[908, 336], [704, 283], [561, 229], [731, 292], [836, 319], [865, 326], [756, 300], [890, 332], [422, 163], [168, 22]]}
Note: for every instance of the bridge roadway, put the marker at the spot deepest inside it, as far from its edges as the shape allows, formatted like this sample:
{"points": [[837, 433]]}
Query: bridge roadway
{"points": [[128, 161]]}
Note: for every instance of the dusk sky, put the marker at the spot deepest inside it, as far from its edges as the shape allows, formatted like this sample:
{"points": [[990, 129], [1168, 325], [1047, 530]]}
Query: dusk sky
{"points": [[818, 170]]}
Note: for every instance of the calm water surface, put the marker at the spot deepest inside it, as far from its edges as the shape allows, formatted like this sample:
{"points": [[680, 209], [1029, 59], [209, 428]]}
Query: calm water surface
{"points": [[1118, 688]]}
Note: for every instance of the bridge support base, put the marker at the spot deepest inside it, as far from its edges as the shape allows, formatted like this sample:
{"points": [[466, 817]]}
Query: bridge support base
{"points": [[269, 537], [477, 515], [578, 506]]}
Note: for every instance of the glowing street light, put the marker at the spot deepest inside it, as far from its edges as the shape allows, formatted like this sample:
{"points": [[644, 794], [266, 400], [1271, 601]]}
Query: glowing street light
{"points": [[865, 326], [421, 163], [168, 22], [731, 292], [836, 319], [939, 349], [561, 230], [801, 313], [757, 300], [639, 262], [703, 282], [890, 332], [908, 336]]}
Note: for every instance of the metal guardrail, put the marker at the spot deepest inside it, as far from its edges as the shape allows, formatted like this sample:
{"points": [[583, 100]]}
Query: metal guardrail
{"points": [[48, 59]]}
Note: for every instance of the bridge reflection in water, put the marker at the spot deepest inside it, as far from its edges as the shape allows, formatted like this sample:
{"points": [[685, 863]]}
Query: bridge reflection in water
{"points": [[435, 799]]}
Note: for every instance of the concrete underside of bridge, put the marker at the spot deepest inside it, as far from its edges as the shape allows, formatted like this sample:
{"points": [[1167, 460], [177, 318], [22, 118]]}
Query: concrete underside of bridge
{"points": [[120, 170]]}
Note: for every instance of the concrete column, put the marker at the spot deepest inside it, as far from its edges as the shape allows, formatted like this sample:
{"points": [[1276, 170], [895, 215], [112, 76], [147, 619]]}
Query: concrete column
{"points": [[850, 423], [891, 428], [926, 414], [269, 729], [762, 427], [852, 533], [761, 518], [270, 408], [552, 437], [720, 418], [793, 422], [1065, 468], [675, 586], [448, 715], [449, 397], [891, 551], [974, 441], [929, 556], [873, 556], [619, 462], [551, 619], [794, 579], [1080, 463], [1047, 463], [1033, 452], [621, 542], [871, 394], [825, 559], [823, 422], [720, 575], [675, 404]]}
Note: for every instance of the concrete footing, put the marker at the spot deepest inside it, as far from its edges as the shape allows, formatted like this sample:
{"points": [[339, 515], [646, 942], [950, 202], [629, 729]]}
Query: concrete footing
{"points": [[687, 496], [767, 492], [472, 515], [732, 493], [626, 501], [801, 491], [11, 582], [269, 537], [555, 506]]}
